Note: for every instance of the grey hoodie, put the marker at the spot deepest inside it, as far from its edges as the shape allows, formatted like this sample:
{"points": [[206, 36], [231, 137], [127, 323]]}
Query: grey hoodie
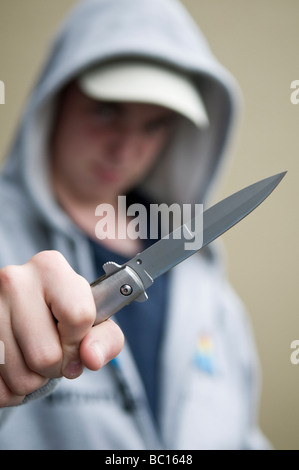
{"points": [[208, 369]]}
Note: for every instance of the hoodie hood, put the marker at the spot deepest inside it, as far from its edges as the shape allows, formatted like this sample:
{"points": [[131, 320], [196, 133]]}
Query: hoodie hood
{"points": [[98, 31]]}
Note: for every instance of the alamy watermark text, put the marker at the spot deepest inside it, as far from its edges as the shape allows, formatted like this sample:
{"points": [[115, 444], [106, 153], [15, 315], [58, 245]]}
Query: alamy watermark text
{"points": [[2, 92], [153, 222], [295, 354], [295, 94]]}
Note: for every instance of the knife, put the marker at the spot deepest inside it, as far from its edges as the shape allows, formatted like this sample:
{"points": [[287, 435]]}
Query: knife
{"points": [[121, 284]]}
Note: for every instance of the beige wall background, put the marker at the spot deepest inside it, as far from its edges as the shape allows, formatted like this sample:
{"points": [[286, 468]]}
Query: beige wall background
{"points": [[258, 41]]}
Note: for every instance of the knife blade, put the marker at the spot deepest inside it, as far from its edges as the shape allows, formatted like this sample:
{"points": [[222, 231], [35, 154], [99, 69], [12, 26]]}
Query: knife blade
{"points": [[122, 284]]}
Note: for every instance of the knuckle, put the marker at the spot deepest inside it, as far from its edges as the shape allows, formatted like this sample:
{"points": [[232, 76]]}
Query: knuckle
{"points": [[80, 309], [81, 315], [5, 397], [44, 360], [19, 388], [9, 278], [76, 322], [49, 259], [23, 385], [8, 399]]}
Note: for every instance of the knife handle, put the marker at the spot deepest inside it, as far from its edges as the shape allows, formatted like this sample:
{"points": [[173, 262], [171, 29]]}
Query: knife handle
{"points": [[113, 291]]}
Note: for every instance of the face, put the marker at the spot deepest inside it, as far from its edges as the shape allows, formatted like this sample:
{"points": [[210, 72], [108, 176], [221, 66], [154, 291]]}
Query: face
{"points": [[102, 149]]}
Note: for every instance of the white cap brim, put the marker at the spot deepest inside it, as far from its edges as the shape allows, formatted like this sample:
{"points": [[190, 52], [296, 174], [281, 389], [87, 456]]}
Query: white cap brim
{"points": [[145, 82]]}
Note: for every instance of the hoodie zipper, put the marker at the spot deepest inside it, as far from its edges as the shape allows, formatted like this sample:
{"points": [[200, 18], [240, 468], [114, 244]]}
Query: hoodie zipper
{"points": [[138, 407]]}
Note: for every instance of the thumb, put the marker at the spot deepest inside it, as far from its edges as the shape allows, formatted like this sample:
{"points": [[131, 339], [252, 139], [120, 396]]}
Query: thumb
{"points": [[102, 343]]}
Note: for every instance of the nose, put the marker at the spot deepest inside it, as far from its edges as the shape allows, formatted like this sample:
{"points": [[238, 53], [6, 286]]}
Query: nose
{"points": [[124, 145]]}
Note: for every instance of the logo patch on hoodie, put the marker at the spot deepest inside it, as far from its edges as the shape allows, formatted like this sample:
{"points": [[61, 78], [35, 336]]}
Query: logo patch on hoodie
{"points": [[205, 357]]}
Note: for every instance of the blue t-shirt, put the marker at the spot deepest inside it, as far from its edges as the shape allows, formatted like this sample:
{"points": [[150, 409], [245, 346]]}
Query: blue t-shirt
{"points": [[142, 322]]}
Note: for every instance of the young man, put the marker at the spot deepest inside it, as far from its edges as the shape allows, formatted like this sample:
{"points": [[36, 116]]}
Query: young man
{"points": [[131, 102]]}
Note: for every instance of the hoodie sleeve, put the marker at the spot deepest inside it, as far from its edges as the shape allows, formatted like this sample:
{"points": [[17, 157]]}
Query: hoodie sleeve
{"points": [[39, 393]]}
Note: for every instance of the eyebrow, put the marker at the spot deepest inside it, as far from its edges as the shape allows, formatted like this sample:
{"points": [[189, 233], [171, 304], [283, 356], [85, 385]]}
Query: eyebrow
{"points": [[165, 119], [110, 104]]}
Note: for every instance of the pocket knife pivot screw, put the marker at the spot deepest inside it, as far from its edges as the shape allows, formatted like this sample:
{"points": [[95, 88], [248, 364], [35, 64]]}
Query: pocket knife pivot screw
{"points": [[126, 289]]}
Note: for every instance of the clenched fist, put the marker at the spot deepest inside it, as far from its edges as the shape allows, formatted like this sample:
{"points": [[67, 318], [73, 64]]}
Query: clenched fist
{"points": [[47, 313]]}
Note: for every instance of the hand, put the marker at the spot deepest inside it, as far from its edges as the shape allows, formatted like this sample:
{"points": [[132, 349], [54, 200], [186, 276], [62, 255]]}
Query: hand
{"points": [[46, 317]]}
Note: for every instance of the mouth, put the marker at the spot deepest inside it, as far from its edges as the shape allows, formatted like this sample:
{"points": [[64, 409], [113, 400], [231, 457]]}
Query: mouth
{"points": [[108, 174]]}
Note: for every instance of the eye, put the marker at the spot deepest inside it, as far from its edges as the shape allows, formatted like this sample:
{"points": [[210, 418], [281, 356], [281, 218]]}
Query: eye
{"points": [[160, 125], [106, 112]]}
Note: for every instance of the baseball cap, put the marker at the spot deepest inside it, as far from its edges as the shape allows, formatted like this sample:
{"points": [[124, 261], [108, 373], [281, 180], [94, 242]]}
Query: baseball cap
{"points": [[145, 82]]}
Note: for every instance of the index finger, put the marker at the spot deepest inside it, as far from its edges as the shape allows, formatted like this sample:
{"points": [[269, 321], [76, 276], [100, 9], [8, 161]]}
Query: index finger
{"points": [[70, 300]]}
